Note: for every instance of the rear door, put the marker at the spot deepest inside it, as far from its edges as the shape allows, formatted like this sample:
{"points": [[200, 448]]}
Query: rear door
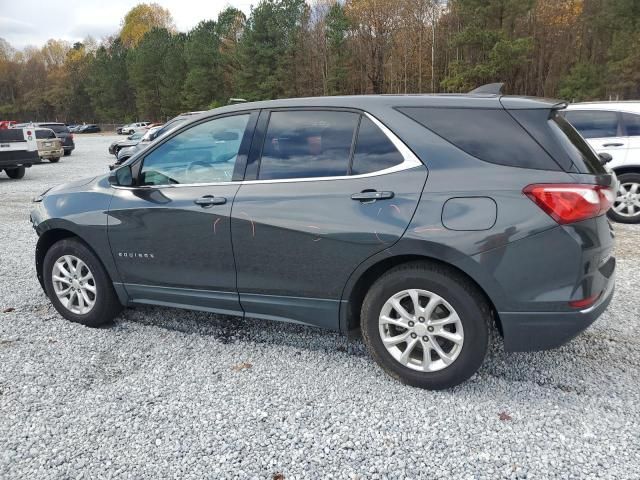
{"points": [[330, 188], [604, 132]]}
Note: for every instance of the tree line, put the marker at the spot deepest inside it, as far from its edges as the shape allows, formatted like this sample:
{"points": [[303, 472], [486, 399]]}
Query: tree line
{"points": [[571, 49]]}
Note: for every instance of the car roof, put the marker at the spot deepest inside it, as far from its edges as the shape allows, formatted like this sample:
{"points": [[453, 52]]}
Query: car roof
{"points": [[50, 123], [365, 102], [626, 106]]}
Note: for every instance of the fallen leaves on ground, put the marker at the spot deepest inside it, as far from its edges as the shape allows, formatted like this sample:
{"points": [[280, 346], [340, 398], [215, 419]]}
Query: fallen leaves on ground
{"points": [[243, 366], [504, 416]]}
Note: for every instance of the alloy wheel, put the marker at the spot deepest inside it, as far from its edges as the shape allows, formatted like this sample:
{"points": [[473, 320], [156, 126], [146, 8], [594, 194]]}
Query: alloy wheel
{"points": [[421, 330], [627, 202], [74, 284]]}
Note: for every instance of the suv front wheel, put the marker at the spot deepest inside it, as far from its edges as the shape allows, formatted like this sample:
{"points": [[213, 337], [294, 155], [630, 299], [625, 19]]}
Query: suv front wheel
{"points": [[426, 325], [78, 285]]}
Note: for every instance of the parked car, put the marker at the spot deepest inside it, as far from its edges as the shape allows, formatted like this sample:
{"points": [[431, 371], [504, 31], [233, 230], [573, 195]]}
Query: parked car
{"points": [[127, 152], [614, 128], [89, 129], [63, 133], [49, 145], [131, 127], [5, 124], [424, 221], [155, 132], [130, 141], [18, 151]]}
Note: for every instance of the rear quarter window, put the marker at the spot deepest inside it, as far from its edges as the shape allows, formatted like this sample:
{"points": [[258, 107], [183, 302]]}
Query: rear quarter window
{"points": [[491, 135], [374, 151]]}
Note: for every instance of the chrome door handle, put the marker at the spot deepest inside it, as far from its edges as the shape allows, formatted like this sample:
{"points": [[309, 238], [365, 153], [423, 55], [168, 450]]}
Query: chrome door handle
{"points": [[371, 196], [210, 200]]}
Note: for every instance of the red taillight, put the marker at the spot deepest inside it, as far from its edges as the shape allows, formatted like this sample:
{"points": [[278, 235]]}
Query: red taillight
{"points": [[585, 302], [29, 132], [70, 136], [571, 202]]}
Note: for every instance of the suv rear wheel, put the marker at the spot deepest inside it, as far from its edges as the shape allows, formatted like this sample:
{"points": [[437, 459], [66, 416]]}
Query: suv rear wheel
{"points": [[626, 207], [426, 325], [78, 285], [16, 172]]}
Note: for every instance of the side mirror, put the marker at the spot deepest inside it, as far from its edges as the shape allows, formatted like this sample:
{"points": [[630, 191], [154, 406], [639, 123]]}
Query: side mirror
{"points": [[605, 158], [122, 177]]}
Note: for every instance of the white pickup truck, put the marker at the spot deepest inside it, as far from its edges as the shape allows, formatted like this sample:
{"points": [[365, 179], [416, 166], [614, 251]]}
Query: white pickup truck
{"points": [[18, 151]]}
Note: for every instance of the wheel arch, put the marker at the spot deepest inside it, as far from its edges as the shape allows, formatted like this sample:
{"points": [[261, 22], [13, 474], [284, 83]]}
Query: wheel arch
{"points": [[51, 237], [362, 280], [627, 169]]}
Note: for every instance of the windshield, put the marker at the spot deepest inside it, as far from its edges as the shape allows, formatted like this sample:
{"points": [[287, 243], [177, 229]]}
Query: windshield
{"points": [[56, 128], [582, 155]]}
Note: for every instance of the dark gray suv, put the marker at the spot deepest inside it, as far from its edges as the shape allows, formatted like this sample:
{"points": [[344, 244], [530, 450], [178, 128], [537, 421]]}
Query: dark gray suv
{"points": [[423, 220]]}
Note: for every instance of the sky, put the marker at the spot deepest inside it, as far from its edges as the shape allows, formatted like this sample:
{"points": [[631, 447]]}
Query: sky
{"points": [[33, 22]]}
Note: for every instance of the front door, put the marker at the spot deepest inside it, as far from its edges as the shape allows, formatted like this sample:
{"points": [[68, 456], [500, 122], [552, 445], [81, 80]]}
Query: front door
{"points": [[331, 189], [170, 235]]}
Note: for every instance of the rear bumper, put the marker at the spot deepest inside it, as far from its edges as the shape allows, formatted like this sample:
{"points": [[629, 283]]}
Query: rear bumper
{"points": [[530, 331]]}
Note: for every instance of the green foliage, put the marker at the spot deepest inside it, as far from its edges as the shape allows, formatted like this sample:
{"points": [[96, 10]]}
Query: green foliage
{"points": [[584, 82], [575, 49], [144, 64], [268, 47], [202, 59], [108, 85], [337, 29]]}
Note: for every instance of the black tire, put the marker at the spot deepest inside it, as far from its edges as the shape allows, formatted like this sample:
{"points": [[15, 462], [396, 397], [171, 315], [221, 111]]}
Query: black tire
{"points": [[106, 307], [54, 160], [16, 173], [67, 153], [459, 292], [626, 178]]}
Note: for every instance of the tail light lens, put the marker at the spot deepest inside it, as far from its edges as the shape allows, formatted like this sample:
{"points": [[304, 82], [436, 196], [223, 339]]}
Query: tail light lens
{"points": [[569, 203], [70, 136]]}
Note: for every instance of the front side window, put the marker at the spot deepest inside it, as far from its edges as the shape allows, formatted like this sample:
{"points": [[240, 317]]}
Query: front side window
{"points": [[204, 153], [632, 124], [310, 143], [594, 124]]}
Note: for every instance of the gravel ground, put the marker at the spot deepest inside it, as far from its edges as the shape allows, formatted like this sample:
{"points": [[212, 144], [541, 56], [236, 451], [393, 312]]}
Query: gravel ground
{"points": [[172, 394]]}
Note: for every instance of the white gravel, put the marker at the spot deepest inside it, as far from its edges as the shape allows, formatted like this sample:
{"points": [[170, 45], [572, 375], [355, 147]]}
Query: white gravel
{"points": [[172, 394]]}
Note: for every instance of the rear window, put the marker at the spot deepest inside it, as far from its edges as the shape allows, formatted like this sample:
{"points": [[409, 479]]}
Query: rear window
{"points": [[576, 147], [303, 144], [491, 135], [593, 123], [57, 128], [41, 134], [12, 135]]}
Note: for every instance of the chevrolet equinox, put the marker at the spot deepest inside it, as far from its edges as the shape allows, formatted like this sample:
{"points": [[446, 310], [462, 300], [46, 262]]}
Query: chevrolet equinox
{"points": [[423, 220]]}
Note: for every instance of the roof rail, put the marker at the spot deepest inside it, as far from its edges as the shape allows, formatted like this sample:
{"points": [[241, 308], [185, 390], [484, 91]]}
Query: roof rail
{"points": [[489, 89]]}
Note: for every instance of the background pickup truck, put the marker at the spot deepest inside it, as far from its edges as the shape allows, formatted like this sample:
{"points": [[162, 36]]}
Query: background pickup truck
{"points": [[18, 150]]}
